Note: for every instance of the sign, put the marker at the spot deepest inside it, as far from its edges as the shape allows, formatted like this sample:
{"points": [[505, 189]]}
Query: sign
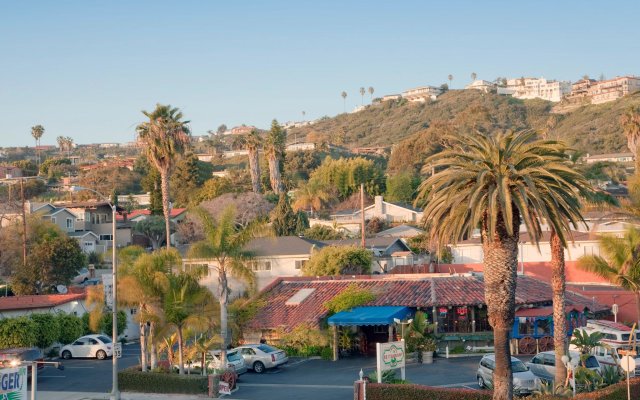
{"points": [[13, 383], [107, 284], [628, 364], [389, 356], [224, 388], [117, 350]]}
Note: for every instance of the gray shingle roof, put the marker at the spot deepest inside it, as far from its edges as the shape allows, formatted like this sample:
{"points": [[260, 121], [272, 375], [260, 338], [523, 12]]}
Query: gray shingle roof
{"points": [[282, 246]]}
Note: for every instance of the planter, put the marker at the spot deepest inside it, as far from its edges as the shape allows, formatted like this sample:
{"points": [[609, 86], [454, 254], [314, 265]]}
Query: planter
{"points": [[427, 357]]}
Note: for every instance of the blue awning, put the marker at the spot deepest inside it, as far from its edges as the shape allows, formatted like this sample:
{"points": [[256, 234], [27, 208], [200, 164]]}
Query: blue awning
{"points": [[372, 315]]}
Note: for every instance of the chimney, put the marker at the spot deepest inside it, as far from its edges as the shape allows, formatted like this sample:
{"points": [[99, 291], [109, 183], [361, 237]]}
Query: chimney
{"points": [[378, 209]]}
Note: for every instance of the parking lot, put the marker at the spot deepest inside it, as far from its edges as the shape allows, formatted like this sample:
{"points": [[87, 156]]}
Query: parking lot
{"points": [[301, 378]]}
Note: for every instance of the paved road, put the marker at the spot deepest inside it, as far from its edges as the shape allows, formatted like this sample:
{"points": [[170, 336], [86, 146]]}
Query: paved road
{"points": [[308, 379]]}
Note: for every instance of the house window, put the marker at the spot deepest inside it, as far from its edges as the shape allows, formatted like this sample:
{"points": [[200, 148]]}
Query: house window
{"points": [[300, 263], [260, 265], [69, 223], [88, 244], [106, 237], [197, 268], [53, 220]]}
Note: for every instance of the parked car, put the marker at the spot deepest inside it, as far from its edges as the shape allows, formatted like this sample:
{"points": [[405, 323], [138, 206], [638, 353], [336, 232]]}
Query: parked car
{"points": [[260, 357], [234, 360], [21, 356], [524, 381], [543, 365], [83, 276], [98, 346]]}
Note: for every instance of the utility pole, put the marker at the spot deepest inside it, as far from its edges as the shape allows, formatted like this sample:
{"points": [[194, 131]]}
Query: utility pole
{"points": [[24, 226], [364, 243]]}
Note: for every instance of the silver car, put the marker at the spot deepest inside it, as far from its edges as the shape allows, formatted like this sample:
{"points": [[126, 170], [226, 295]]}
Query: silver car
{"points": [[524, 381], [234, 360], [260, 357], [543, 365]]}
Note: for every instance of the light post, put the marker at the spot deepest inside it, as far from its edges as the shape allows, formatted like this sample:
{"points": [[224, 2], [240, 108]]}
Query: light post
{"points": [[115, 393], [402, 324], [34, 373]]}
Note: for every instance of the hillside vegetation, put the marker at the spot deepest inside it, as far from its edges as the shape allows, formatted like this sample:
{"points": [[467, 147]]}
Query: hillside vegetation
{"points": [[415, 130]]}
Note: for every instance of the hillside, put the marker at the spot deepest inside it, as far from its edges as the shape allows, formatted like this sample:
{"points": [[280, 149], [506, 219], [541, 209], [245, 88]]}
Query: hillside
{"points": [[414, 129]]}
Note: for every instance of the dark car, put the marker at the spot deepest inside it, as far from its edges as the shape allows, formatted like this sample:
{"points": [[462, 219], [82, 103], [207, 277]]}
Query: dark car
{"points": [[21, 356]]}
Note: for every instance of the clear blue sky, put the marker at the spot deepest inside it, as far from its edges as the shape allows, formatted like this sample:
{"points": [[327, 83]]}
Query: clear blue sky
{"points": [[86, 69]]}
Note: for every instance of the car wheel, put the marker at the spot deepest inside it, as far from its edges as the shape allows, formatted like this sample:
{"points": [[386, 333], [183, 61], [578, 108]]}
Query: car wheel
{"points": [[66, 354], [481, 382], [258, 367], [101, 355]]}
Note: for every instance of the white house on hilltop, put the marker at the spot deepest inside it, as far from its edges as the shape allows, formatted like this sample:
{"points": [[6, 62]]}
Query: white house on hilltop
{"points": [[536, 88], [387, 211]]}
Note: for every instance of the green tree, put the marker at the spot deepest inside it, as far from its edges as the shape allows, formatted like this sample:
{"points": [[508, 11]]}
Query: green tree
{"points": [[213, 188], [225, 244], [346, 175], [71, 327], [185, 180], [283, 220], [165, 136], [302, 222], [619, 263], [630, 122], [53, 261], [586, 342], [371, 90], [401, 187], [18, 332], [47, 329], [338, 260], [495, 182], [221, 129], [251, 143], [323, 232], [312, 196], [37, 131], [274, 148]]}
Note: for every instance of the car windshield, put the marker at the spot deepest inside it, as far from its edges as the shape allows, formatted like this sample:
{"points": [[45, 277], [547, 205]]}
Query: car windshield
{"points": [[104, 339], [267, 349], [518, 366]]}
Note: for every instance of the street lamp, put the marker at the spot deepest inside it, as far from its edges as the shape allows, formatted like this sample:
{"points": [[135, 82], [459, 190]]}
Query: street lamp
{"points": [[402, 324], [115, 393]]}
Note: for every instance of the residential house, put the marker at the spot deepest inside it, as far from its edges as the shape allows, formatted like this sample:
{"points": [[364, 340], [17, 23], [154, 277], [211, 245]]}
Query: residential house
{"points": [[234, 153], [390, 97], [422, 94], [613, 89], [372, 150], [580, 89], [401, 231], [388, 252], [16, 306], [240, 130], [610, 157], [387, 211], [176, 216], [536, 88], [482, 85], [301, 146], [10, 171]]}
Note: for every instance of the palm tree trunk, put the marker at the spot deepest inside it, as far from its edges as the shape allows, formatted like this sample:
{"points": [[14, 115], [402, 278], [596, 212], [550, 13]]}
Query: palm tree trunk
{"points": [[143, 346], [558, 284], [164, 177], [274, 174], [153, 352], [180, 356], [223, 296], [638, 308], [500, 279], [254, 168]]}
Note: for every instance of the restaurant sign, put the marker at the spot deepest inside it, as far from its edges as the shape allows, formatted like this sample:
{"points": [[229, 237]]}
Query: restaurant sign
{"points": [[390, 355], [13, 383]]}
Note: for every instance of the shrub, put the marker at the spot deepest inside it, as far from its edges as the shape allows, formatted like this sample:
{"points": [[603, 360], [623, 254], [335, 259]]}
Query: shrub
{"points": [[304, 341], [71, 328], [349, 298], [133, 380], [47, 329], [17, 332], [384, 391], [326, 353]]}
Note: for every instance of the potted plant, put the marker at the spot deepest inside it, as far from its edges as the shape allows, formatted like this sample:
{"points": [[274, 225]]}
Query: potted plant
{"points": [[428, 347]]}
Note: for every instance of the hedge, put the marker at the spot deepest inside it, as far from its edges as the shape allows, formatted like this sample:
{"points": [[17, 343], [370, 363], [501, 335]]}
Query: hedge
{"points": [[18, 332], [134, 380], [382, 391]]}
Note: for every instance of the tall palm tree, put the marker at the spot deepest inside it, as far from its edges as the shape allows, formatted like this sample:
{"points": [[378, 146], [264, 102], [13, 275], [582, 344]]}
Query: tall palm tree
{"points": [[251, 143], [362, 92], [620, 263], [224, 244], [450, 77], [344, 101], [630, 122], [371, 90], [61, 143], [274, 149], [37, 132], [496, 181], [186, 304], [473, 76], [165, 136], [142, 283], [311, 196], [68, 144]]}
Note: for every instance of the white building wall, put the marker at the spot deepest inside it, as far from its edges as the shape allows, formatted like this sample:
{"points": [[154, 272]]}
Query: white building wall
{"points": [[527, 252]]}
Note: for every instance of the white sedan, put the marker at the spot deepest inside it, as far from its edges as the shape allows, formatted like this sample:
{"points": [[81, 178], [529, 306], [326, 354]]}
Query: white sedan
{"points": [[93, 346]]}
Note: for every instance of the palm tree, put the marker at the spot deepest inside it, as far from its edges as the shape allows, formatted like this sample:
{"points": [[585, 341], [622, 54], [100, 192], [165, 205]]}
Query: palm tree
{"points": [[224, 244], [311, 196], [68, 144], [344, 101], [630, 122], [586, 342], [473, 76], [274, 148], [495, 182], [620, 263], [143, 281], [371, 90], [165, 136], [37, 132], [362, 92], [251, 143], [450, 77], [61, 143], [186, 304]]}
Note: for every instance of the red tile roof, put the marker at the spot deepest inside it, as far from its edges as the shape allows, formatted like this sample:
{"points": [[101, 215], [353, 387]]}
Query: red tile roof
{"points": [[415, 290], [38, 301]]}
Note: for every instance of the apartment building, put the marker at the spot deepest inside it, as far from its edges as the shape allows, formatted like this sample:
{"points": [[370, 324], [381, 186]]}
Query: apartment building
{"points": [[482, 85], [613, 89], [536, 88], [422, 94], [580, 89]]}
